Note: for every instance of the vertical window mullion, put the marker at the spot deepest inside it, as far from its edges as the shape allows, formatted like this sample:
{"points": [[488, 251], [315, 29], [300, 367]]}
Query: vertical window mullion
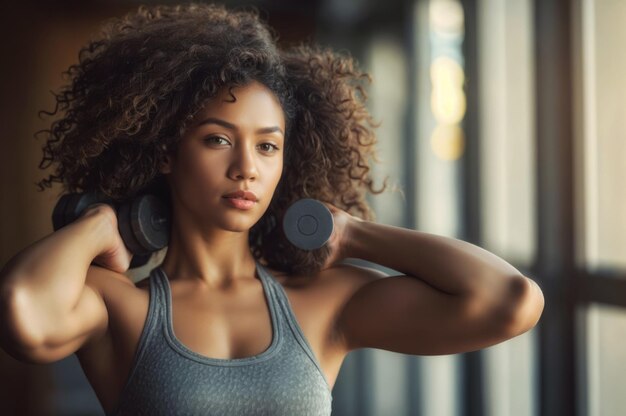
{"points": [[472, 377], [555, 227]]}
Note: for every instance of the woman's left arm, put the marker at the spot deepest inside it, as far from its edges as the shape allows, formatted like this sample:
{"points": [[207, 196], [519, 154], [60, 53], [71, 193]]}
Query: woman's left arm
{"points": [[453, 297]]}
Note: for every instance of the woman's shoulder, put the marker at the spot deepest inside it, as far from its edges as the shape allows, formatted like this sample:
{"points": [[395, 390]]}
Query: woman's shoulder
{"points": [[124, 299], [340, 273], [332, 286], [319, 300], [109, 283]]}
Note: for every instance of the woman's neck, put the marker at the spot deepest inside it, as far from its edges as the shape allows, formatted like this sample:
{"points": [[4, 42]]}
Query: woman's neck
{"points": [[218, 258]]}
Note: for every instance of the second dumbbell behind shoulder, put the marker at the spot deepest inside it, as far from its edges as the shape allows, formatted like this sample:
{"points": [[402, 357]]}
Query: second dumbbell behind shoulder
{"points": [[142, 221]]}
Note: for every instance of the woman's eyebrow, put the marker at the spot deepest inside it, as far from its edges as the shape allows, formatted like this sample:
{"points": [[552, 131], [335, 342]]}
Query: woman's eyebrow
{"points": [[217, 121], [226, 124], [268, 130]]}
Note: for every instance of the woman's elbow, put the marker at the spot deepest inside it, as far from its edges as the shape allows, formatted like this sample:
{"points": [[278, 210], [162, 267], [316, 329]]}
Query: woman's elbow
{"points": [[523, 308]]}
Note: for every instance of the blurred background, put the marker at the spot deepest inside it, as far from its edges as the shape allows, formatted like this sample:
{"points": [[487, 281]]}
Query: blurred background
{"points": [[502, 121]]}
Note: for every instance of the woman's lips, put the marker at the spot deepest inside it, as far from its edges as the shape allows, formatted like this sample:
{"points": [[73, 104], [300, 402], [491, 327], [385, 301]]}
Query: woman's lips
{"points": [[240, 203], [243, 194]]}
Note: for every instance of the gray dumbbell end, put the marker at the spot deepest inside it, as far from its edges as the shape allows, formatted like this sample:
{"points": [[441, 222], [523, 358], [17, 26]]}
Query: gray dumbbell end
{"points": [[308, 224]]}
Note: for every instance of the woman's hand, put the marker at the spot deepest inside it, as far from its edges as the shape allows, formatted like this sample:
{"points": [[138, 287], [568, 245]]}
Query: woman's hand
{"points": [[339, 242], [116, 257]]}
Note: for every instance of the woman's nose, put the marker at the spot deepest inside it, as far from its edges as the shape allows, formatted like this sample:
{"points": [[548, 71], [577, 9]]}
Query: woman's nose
{"points": [[243, 165]]}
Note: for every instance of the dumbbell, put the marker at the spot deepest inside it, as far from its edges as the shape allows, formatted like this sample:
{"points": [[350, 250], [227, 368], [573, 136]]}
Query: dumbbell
{"points": [[143, 222], [308, 224]]}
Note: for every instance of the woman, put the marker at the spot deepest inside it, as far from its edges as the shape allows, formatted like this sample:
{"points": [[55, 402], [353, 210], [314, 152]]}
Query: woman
{"points": [[197, 104]]}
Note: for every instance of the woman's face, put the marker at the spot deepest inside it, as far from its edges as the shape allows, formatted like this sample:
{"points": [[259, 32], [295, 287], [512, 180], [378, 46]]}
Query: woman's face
{"points": [[230, 146]]}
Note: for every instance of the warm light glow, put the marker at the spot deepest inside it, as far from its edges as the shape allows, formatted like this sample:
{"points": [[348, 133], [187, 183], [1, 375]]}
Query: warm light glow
{"points": [[448, 141], [448, 99], [446, 16]]}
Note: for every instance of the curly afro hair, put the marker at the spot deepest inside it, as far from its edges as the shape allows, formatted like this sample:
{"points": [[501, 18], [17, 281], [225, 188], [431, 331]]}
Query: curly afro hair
{"points": [[136, 88]]}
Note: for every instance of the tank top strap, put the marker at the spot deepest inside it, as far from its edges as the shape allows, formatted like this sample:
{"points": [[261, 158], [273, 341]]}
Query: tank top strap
{"points": [[269, 288], [288, 315], [158, 295]]}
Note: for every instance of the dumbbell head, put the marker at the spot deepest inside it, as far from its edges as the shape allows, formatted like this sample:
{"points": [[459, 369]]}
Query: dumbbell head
{"points": [[71, 206], [144, 224], [308, 224]]}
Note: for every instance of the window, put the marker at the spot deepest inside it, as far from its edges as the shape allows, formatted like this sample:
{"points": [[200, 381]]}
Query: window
{"points": [[601, 156]]}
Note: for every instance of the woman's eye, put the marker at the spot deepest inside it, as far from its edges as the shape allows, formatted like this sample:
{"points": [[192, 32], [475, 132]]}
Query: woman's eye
{"points": [[215, 140], [269, 147]]}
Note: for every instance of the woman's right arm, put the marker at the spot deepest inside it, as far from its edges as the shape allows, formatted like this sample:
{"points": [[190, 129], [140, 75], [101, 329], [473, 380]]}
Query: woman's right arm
{"points": [[47, 311]]}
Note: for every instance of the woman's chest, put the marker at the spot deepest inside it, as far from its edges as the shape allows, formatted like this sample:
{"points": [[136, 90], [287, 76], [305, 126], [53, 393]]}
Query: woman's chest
{"points": [[165, 384], [220, 328]]}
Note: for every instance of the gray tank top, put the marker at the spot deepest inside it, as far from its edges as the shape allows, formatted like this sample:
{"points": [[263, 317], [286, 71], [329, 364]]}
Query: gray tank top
{"points": [[167, 378]]}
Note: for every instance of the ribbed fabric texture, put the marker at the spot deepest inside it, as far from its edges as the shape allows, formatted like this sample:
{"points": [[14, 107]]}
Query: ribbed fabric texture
{"points": [[167, 378]]}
